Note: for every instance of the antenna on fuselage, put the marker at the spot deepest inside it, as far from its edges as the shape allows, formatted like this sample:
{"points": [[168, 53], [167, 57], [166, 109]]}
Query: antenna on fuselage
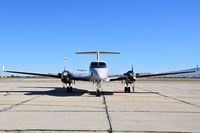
{"points": [[97, 53]]}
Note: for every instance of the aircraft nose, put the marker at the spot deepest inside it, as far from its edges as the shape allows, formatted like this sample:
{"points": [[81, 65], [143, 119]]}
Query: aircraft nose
{"points": [[100, 74]]}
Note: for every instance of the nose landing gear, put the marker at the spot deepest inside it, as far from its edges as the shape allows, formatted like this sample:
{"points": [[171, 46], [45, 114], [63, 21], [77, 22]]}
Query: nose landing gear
{"points": [[98, 93]]}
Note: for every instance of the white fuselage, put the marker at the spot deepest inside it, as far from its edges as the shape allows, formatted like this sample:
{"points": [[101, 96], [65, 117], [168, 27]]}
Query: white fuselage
{"points": [[98, 71]]}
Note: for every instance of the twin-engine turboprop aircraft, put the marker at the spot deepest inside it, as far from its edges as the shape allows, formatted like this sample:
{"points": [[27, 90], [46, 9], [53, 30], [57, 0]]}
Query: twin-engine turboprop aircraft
{"points": [[98, 73]]}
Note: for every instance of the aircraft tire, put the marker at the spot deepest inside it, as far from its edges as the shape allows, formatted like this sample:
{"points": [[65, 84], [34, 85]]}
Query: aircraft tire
{"points": [[125, 89], [98, 93], [70, 89], [67, 89]]}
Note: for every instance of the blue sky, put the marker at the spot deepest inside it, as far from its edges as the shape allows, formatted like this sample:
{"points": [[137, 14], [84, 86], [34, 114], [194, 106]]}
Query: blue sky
{"points": [[153, 35]]}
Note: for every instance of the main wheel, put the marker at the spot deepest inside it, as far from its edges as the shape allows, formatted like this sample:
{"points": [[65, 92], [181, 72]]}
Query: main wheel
{"points": [[69, 89], [98, 93], [125, 89], [128, 89]]}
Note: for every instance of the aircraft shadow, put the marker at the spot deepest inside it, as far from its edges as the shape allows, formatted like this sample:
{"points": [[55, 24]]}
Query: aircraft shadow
{"points": [[60, 92]]}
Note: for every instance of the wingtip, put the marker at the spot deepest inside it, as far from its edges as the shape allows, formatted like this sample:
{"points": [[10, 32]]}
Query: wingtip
{"points": [[3, 68]]}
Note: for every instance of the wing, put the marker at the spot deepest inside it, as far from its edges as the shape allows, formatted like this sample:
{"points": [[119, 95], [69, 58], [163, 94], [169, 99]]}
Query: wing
{"points": [[117, 77], [126, 75], [81, 78], [162, 74], [37, 74]]}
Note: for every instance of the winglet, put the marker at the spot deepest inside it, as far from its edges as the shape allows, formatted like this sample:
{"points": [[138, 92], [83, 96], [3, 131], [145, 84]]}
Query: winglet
{"points": [[197, 68]]}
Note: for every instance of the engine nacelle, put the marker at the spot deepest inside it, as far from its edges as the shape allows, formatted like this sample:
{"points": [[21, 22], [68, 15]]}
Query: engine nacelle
{"points": [[66, 77], [130, 77]]}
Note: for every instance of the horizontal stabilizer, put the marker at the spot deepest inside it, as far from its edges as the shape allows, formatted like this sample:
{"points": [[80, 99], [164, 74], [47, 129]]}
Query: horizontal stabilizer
{"points": [[97, 53]]}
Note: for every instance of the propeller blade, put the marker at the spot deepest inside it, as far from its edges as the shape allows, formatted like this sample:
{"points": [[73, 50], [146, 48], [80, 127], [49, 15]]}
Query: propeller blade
{"points": [[132, 68]]}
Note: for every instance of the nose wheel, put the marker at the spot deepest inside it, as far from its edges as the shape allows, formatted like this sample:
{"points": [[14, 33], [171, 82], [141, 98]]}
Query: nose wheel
{"points": [[98, 93]]}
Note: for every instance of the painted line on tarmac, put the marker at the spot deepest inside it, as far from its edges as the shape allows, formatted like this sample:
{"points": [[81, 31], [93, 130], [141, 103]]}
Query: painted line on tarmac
{"points": [[113, 111], [173, 98], [70, 101], [48, 130], [18, 104], [92, 130]]}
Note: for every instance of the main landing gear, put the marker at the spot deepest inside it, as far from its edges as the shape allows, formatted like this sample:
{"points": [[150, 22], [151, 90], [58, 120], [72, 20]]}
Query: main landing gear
{"points": [[127, 88], [68, 88]]}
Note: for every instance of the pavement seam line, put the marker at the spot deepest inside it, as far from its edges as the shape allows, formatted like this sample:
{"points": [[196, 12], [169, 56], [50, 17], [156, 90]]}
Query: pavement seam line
{"points": [[18, 104], [107, 113]]}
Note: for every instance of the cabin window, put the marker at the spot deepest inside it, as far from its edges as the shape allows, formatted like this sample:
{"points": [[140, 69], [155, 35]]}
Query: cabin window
{"points": [[98, 65]]}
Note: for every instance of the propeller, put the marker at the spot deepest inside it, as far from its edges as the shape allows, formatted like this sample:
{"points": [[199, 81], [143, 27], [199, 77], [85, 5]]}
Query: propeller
{"points": [[132, 68], [65, 61], [130, 72], [130, 76]]}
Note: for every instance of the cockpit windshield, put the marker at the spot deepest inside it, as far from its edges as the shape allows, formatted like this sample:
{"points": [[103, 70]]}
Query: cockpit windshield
{"points": [[98, 65]]}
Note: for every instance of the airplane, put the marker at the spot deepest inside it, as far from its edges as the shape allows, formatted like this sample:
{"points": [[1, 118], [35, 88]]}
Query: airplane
{"points": [[98, 73]]}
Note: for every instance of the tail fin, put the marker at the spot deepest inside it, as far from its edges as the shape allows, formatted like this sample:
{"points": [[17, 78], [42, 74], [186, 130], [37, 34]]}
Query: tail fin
{"points": [[97, 53]]}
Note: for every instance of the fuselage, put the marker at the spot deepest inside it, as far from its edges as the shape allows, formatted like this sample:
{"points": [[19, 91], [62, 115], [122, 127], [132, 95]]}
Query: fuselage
{"points": [[98, 71]]}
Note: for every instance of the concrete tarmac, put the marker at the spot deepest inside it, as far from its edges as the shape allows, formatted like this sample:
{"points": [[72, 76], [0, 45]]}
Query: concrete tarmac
{"points": [[41, 105]]}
